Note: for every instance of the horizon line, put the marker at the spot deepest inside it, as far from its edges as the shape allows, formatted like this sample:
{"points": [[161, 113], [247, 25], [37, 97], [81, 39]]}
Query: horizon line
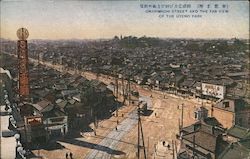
{"points": [[189, 38]]}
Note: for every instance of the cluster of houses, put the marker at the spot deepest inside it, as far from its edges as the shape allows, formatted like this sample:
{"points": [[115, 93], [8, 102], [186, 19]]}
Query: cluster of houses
{"points": [[208, 139], [60, 104], [220, 132], [217, 70], [172, 64]]}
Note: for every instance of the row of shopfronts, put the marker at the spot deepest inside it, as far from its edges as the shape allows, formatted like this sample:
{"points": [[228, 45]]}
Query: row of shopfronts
{"points": [[39, 130]]}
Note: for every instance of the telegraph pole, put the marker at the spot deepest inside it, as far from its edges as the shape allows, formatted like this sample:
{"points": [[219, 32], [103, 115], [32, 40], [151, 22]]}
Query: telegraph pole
{"points": [[182, 114], [129, 90], [193, 146], [140, 135], [123, 89], [38, 65], [173, 149], [116, 84]]}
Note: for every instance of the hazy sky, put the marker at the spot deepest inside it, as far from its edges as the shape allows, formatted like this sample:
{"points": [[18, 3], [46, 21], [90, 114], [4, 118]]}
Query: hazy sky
{"points": [[105, 19]]}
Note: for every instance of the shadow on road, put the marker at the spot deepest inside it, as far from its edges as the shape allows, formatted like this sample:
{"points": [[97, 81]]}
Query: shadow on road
{"points": [[93, 146], [50, 146], [102, 137]]}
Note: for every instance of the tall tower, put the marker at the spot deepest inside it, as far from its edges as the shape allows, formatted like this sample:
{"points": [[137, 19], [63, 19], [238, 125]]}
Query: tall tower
{"points": [[22, 53]]}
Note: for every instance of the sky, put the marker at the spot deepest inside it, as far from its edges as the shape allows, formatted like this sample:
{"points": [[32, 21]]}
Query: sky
{"points": [[61, 19]]}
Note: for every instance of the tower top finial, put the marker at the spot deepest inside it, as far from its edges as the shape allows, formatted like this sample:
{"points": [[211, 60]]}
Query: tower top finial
{"points": [[22, 33]]}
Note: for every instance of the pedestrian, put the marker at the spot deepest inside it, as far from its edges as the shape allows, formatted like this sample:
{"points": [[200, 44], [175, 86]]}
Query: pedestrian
{"points": [[168, 147], [117, 122], [66, 155], [71, 155], [116, 128], [155, 114]]}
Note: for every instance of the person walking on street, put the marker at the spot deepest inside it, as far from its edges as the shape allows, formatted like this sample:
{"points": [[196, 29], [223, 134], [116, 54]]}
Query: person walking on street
{"points": [[71, 155], [66, 155]]}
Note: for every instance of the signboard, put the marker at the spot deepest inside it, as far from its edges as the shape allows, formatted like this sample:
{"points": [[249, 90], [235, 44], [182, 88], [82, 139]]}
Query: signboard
{"points": [[213, 90], [33, 120], [57, 120]]}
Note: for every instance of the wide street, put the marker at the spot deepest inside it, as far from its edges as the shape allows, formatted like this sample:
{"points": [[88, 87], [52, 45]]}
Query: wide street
{"points": [[113, 138]]}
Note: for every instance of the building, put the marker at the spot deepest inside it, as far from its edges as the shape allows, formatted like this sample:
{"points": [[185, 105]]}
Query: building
{"points": [[56, 125], [202, 140], [231, 112], [237, 133], [200, 113], [239, 146], [35, 130]]}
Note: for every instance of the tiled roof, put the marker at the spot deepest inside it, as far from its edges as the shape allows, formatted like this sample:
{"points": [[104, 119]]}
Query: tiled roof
{"points": [[212, 121], [239, 132], [62, 104], [43, 103], [235, 151], [203, 139]]}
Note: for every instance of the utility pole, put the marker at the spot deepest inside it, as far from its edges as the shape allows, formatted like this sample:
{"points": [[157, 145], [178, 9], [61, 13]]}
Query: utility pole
{"points": [[138, 137], [116, 84], [148, 146], [116, 107], [212, 110], [182, 114], [140, 134], [38, 68], [129, 90], [193, 146], [126, 90], [173, 149], [123, 89], [179, 125]]}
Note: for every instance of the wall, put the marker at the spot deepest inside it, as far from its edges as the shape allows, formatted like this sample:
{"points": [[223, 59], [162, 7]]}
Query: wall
{"points": [[226, 118], [242, 118]]}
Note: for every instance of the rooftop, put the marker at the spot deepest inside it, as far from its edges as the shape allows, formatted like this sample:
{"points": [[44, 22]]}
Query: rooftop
{"points": [[239, 132]]}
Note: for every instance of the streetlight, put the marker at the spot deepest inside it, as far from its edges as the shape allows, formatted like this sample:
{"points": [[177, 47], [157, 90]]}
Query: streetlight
{"points": [[6, 96], [17, 137], [21, 151], [7, 102], [9, 111]]}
